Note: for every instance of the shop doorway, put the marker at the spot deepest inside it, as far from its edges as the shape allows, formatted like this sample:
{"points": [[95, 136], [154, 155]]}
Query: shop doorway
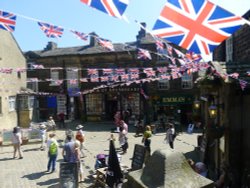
{"points": [[111, 109]]}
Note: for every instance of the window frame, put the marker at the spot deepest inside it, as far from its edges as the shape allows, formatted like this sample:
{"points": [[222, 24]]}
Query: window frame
{"points": [[187, 81], [12, 103]]}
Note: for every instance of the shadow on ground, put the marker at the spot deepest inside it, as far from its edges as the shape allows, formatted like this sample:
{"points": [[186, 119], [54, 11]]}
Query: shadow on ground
{"points": [[50, 183], [35, 176]]}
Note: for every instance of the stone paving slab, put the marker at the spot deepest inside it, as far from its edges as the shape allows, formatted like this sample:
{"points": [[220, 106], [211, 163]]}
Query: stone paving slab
{"points": [[29, 172]]}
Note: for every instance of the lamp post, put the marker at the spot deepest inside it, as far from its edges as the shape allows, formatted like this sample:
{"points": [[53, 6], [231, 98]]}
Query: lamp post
{"points": [[197, 104], [212, 111]]}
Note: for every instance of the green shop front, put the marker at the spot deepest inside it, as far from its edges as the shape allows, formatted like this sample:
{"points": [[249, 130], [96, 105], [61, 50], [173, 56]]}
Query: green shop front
{"points": [[176, 107]]}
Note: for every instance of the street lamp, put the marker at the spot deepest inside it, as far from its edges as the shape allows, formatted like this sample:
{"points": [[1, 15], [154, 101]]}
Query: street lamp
{"points": [[197, 104], [212, 111]]}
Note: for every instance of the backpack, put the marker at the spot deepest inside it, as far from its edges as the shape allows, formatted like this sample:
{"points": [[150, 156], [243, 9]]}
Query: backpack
{"points": [[53, 148], [79, 137]]}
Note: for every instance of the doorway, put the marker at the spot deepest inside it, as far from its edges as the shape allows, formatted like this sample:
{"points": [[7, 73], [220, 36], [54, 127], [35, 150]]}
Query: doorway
{"points": [[111, 109]]}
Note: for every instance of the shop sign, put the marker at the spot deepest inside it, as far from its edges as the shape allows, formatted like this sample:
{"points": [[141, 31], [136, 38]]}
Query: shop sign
{"points": [[177, 100], [126, 89]]}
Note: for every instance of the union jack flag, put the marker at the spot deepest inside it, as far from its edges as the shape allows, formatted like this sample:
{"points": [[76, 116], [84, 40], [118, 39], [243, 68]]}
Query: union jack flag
{"points": [[162, 69], [105, 44], [92, 72], [7, 21], [143, 54], [114, 8], [196, 25], [80, 35], [51, 31], [104, 78], [234, 75], [120, 71], [193, 57], [107, 71], [133, 70], [159, 44]]}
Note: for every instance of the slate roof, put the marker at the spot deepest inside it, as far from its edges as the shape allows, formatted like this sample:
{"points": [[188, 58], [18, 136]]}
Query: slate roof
{"points": [[84, 50]]}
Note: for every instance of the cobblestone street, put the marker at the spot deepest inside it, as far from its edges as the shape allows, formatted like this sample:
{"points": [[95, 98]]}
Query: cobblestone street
{"points": [[29, 172]]}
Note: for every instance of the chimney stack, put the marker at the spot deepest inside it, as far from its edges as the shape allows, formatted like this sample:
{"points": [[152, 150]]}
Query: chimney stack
{"points": [[50, 46]]}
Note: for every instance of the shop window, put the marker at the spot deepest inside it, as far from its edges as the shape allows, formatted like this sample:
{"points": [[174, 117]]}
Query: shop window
{"points": [[163, 84], [26, 102], [94, 104], [12, 103], [187, 81]]}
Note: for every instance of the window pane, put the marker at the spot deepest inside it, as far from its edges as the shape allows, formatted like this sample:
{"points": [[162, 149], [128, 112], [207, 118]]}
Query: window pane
{"points": [[187, 81], [94, 104], [12, 103], [54, 75], [163, 84]]}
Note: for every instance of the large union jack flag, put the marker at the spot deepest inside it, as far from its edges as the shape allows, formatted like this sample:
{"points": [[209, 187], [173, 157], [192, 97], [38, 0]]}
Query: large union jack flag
{"points": [[51, 31], [196, 25], [7, 21], [114, 8]]}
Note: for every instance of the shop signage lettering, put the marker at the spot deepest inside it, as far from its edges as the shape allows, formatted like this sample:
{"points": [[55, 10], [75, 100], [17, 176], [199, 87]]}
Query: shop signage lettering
{"points": [[117, 89], [173, 99]]}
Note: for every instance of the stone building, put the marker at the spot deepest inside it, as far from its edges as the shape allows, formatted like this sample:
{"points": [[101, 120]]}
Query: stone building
{"points": [[228, 130], [15, 108], [78, 100]]}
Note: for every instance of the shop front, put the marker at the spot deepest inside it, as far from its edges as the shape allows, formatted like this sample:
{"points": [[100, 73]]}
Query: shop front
{"points": [[104, 103], [175, 107]]}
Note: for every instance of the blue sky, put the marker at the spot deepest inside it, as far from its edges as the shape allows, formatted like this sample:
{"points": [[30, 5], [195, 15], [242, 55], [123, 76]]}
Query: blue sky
{"points": [[72, 14]]}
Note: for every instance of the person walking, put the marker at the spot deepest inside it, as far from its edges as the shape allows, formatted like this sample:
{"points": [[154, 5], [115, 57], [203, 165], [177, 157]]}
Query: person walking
{"points": [[52, 146], [81, 138], [42, 136], [78, 160], [61, 117], [139, 127], [147, 138], [123, 140], [51, 123], [170, 135], [124, 125], [147, 141], [68, 151], [17, 141], [117, 118]]}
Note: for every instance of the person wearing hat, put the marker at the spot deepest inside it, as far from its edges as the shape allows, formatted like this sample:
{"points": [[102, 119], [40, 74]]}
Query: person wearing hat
{"points": [[42, 135], [80, 137], [51, 123]]}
